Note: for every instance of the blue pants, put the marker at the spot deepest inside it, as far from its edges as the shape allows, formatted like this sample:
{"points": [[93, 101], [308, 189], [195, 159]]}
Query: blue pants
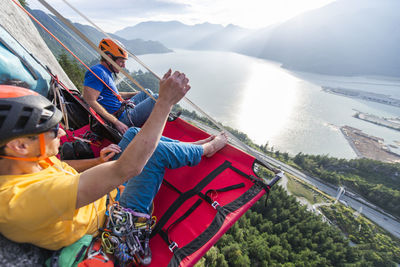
{"points": [[138, 115], [141, 190]]}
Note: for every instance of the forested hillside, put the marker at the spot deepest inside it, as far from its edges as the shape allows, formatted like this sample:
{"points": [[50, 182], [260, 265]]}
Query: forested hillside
{"points": [[376, 181], [284, 233]]}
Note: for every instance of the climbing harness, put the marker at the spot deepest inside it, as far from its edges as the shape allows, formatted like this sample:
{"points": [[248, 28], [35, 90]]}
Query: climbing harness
{"points": [[126, 104]]}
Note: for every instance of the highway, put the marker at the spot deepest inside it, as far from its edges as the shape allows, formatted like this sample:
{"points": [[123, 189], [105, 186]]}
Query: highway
{"points": [[375, 214], [379, 217]]}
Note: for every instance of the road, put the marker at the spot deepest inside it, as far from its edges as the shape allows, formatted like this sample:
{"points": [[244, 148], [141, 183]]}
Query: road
{"points": [[375, 214], [379, 217]]}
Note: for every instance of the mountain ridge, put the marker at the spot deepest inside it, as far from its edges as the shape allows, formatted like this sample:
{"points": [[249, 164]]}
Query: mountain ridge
{"points": [[346, 38], [137, 46]]}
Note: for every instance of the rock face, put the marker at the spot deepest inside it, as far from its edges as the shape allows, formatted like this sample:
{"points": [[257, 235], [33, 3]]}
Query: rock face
{"points": [[20, 26], [13, 254]]}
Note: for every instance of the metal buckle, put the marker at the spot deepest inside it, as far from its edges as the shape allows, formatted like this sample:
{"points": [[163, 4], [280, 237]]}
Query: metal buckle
{"points": [[215, 204], [173, 246]]}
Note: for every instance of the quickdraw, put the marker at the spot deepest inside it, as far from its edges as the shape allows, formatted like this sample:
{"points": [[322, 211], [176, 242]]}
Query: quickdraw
{"points": [[127, 235]]}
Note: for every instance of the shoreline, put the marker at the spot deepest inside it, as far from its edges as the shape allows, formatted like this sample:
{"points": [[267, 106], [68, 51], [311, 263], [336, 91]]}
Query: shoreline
{"points": [[367, 146], [391, 123], [367, 96]]}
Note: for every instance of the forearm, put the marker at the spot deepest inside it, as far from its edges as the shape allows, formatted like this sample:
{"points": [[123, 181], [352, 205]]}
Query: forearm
{"points": [[83, 164], [102, 111], [98, 181], [127, 95]]}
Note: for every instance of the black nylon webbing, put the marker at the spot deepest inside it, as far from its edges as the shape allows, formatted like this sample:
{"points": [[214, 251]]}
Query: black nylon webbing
{"points": [[226, 189], [164, 234], [172, 186], [215, 225], [188, 194], [252, 178], [207, 198], [185, 215]]}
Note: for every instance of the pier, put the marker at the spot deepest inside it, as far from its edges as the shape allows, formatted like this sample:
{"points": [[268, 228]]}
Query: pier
{"points": [[368, 96], [367, 146]]}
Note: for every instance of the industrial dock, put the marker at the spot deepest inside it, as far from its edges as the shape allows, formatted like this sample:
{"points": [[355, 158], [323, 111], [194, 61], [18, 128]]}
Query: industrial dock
{"points": [[367, 146], [368, 96], [392, 123]]}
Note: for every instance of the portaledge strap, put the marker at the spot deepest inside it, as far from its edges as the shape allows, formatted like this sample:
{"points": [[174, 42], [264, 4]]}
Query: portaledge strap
{"points": [[187, 195], [215, 226], [164, 234]]}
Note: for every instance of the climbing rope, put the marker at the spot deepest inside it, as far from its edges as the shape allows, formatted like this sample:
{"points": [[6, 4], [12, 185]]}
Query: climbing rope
{"points": [[83, 37], [217, 124], [65, 47], [87, 48]]}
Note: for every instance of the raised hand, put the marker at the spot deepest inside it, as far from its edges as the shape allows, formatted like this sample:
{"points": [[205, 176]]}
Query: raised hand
{"points": [[173, 87]]}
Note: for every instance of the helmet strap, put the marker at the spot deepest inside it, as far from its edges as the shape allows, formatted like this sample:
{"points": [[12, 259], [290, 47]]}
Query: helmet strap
{"points": [[42, 156], [110, 66]]}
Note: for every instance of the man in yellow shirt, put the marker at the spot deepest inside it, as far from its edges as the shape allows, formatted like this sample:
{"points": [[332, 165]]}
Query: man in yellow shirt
{"points": [[52, 204]]}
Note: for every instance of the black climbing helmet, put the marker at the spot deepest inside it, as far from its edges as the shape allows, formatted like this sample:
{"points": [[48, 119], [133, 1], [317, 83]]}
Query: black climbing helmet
{"points": [[24, 112]]}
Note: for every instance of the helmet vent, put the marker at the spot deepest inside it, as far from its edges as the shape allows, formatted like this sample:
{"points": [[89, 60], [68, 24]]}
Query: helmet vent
{"points": [[47, 112], [4, 110], [2, 119], [21, 123], [105, 43], [5, 107]]}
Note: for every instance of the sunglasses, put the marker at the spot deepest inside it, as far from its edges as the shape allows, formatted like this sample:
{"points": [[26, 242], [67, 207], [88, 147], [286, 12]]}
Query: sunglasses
{"points": [[55, 130]]}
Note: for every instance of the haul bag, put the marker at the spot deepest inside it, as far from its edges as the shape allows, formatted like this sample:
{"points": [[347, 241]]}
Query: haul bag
{"points": [[197, 205]]}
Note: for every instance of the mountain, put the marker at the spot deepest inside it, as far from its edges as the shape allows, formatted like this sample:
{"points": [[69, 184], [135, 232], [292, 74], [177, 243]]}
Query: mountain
{"points": [[79, 47], [347, 37], [178, 35], [225, 38]]}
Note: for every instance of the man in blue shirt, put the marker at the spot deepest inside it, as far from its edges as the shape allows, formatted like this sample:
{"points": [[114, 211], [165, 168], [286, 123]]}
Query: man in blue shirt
{"points": [[103, 96]]}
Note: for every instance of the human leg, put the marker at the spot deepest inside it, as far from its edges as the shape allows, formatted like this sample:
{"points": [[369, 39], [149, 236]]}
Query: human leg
{"points": [[141, 96], [141, 190], [126, 139], [143, 107]]}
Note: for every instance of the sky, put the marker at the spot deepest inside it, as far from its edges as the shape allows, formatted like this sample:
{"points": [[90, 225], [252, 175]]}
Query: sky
{"points": [[113, 15]]}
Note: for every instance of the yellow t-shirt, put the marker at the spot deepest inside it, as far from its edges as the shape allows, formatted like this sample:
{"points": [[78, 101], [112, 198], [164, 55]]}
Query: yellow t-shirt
{"points": [[39, 208]]}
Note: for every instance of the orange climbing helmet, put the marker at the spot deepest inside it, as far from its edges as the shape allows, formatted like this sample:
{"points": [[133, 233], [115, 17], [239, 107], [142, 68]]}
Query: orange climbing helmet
{"points": [[114, 48]]}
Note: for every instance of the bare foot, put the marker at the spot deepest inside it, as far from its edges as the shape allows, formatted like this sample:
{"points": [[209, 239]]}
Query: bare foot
{"points": [[203, 141], [216, 144]]}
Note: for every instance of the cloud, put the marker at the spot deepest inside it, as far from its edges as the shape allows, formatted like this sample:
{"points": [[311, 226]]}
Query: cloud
{"points": [[117, 9], [116, 14]]}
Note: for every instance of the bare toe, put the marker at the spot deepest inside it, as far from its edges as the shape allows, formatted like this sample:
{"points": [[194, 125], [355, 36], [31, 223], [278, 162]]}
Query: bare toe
{"points": [[215, 145], [203, 141]]}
